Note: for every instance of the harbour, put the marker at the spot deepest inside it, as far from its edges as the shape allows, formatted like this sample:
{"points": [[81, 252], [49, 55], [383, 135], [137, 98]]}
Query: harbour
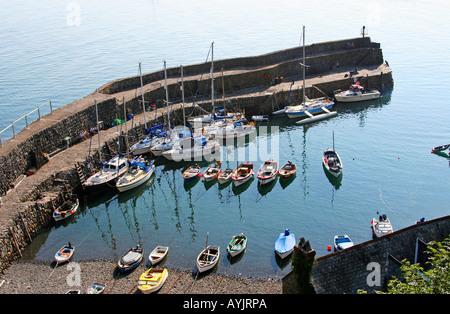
{"points": [[108, 225]]}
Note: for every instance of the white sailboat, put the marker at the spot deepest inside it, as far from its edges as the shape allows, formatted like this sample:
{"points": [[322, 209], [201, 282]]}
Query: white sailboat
{"points": [[309, 107], [155, 137]]}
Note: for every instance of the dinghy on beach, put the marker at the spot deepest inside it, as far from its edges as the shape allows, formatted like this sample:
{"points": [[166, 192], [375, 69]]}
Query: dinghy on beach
{"points": [[65, 253], [158, 254], [152, 280], [131, 259]]}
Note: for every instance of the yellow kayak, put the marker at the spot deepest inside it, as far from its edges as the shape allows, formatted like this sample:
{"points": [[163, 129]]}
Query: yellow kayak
{"points": [[152, 280]]}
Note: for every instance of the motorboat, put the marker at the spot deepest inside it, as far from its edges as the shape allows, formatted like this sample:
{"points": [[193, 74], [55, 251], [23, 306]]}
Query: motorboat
{"points": [[342, 242], [106, 177], [381, 226], [236, 129], [139, 172], [332, 162], [131, 259], [356, 93], [242, 173], [284, 245], [152, 280]]}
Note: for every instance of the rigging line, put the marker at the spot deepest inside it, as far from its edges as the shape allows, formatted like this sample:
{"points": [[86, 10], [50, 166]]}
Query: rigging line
{"points": [[201, 77]]}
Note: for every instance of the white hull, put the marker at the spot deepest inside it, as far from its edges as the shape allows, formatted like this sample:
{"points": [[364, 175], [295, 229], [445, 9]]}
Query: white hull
{"points": [[132, 185], [355, 97], [191, 154], [265, 181], [158, 254], [240, 182], [203, 266]]}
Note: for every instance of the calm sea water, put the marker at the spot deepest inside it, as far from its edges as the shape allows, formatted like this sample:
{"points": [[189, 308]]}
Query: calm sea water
{"points": [[63, 50]]}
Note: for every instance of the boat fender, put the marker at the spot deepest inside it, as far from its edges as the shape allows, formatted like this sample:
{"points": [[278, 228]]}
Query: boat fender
{"points": [[266, 76]]}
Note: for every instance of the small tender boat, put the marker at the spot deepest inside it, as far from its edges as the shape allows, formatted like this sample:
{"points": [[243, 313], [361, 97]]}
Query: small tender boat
{"points": [[341, 242], [158, 254], [237, 244], [284, 245], [152, 280], [96, 288], [64, 254], [237, 129], [131, 259], [242, 173], [267, 172], [381, 226], [440, 148], [225, 176], [356, 93], [67, 209], [211, 172], [208, 258], [139, 172], [287, 170], [260, 118], [191, 173]]}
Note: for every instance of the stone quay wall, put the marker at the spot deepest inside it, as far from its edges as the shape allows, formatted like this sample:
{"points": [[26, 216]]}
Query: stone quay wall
{"points": [[353, 269], [244, 79]]}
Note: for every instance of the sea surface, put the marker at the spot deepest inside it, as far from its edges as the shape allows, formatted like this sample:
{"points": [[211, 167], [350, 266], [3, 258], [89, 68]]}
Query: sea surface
{"points": [[60, 51]]}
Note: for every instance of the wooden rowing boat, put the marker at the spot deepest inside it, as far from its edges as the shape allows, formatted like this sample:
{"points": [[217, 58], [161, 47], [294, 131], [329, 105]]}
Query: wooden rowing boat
{"points": [[65, 253], [131, 259], [152, 280], [237, 244], [158, 254]]}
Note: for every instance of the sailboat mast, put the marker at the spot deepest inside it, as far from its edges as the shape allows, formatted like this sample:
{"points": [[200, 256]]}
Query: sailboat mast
{"points": [[142, 94], [212, 77], [304, 65], [98, 133], [167, 93], [182, 98]]}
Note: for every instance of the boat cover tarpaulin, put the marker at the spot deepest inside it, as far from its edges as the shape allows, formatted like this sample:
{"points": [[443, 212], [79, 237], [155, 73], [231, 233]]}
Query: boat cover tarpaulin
{"points": [[285, 242]]}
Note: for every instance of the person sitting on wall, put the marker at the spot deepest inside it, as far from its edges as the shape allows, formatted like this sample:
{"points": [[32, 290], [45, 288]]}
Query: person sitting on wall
{"points": [[84, 135]]}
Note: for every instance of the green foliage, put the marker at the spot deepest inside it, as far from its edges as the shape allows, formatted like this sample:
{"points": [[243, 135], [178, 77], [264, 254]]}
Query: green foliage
{"points": [[435, 280]]}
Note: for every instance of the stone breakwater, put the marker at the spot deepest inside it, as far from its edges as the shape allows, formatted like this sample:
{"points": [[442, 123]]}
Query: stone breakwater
{"points": [[40, 164]]}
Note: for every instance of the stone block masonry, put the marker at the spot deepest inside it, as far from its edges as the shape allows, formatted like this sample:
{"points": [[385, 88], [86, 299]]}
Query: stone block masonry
{"points": [[58, 134]]}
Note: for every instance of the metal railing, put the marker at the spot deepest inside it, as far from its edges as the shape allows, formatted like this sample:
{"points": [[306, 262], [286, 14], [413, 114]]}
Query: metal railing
{"points": [[38, 109]]}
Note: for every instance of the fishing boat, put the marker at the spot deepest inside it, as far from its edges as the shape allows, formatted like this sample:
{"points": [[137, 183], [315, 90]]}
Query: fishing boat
{"points": [[106, 177], [381, 226], [152, 280], [158, 254], [342, 242], [225, 176], [67, 209], [242, 173], [237, 244], [440, 148], [267, 172], [287, 170], [331, 161], [355, 93], [131, 259], [284, 245], [212, 172], [191, 173], [65, 253], [138, 173], [208, 258], [96, 288]]}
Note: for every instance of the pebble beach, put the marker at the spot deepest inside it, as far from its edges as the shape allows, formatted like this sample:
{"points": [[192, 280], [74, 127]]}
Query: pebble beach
{"points": [[38, 277]]}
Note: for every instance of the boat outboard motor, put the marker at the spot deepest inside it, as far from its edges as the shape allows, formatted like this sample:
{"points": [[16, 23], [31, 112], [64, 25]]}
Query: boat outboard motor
{"points": [[384, 217]]}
